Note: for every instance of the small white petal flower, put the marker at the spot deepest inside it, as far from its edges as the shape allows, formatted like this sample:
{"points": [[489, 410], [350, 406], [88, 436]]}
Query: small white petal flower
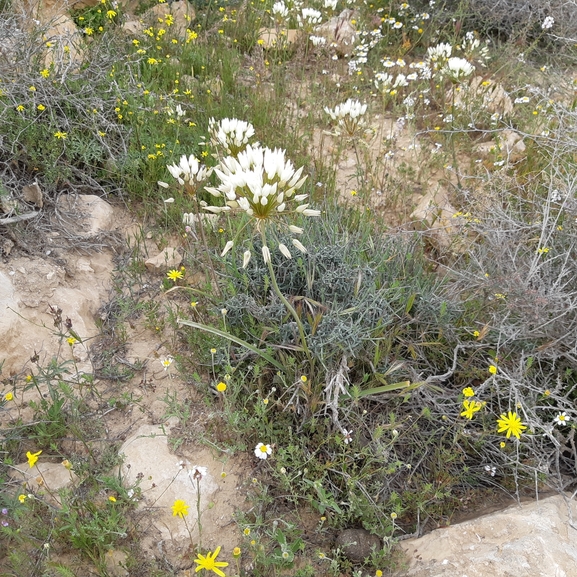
{"points": [[561, 419], [227, 247], [262, 451]]}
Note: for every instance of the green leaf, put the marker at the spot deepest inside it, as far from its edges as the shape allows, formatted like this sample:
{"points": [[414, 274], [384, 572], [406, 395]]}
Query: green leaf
{"points": [[234, 339]]}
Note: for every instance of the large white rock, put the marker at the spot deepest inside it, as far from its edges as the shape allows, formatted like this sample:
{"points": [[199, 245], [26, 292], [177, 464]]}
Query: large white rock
{"points": [[536, 539]]}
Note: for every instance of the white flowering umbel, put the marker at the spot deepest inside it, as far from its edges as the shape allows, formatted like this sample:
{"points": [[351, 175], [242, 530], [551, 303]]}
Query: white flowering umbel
{"points": [[262, 183], [457, 69], [348, 115], [438, 55], [189, 172], [230, 134], [308, 18]]}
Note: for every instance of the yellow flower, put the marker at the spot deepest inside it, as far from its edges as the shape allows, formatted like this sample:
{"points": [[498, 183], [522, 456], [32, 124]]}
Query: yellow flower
{"points": [[45, 73], [32, 89], [493, 369], [304, 379], [88, 31], [60, 135], [502, 444], [67, 464], [71, 341], [471, 407], [21, 498], [247, 531], [180, 508], [112, 499], [221, 387], [174, 274], [41, 107], [193, 304], [32, 458], [236, 552], [378, 573], [8, 396], [476, 333], [110, 14], [468, 392], [511, 424], [20, 108], [210, 563]]}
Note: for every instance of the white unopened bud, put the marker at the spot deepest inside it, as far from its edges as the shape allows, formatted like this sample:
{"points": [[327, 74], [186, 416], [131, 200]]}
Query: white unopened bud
{"points": [[227, 247], [295, 229], [266, 254], [283, 248], [246, 258], [163, 184], [298, 244]]}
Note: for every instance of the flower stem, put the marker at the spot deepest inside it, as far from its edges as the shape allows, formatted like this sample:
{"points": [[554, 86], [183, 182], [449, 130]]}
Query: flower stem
{"points": [[286, 303]]}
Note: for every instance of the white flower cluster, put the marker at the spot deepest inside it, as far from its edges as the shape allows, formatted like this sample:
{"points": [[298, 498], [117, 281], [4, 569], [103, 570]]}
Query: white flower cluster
{"points": [[189, 171], [457, 68], [309, 17], [261, 182], [548, 23], [230, 134], [280, 9], [348, 115]]}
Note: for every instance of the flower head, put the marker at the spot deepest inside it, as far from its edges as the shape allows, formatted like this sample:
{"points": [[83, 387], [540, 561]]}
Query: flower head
{"points": [[348, 115], [236, 552], [8, 396], [166, 362], [470, 408], [174, 274], [262, 183], [561, 419], [189, 172], [548, 23], [21, 498], [511, 424], [32, 458], [60, 135], [221, 387], [493, 369], [210, 563], [468, 392], [457, 69], [230, 134], [262, 451], [180, 508]]}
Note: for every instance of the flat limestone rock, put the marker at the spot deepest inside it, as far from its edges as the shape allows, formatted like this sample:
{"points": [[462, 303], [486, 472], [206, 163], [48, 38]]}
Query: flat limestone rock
{"points": [[534, 539]]}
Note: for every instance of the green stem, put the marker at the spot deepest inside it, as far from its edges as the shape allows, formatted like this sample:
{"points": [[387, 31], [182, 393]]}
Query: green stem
{"points": [[289, 307]]}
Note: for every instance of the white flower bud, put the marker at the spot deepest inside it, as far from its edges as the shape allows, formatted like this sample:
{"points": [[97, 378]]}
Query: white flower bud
{"points": [[246, 258], [299, 245], [227, 247], [283, 248], [266, 254], [163, 184], [295, 229]]}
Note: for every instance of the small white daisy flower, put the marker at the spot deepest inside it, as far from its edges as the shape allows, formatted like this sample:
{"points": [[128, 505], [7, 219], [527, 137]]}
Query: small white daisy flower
{"points": [[262, 451]]}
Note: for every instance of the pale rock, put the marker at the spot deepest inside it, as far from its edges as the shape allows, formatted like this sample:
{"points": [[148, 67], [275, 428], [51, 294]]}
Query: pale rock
{"points": [[512, 145], [493, 98], [164, 478], [273, 38], [339, 32], [434, 214], [44, 478], [169, 258], [115, 561], [182, 12], [66, 50], [33, 193], [133, 26], [86, 215], [536, 539]]}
